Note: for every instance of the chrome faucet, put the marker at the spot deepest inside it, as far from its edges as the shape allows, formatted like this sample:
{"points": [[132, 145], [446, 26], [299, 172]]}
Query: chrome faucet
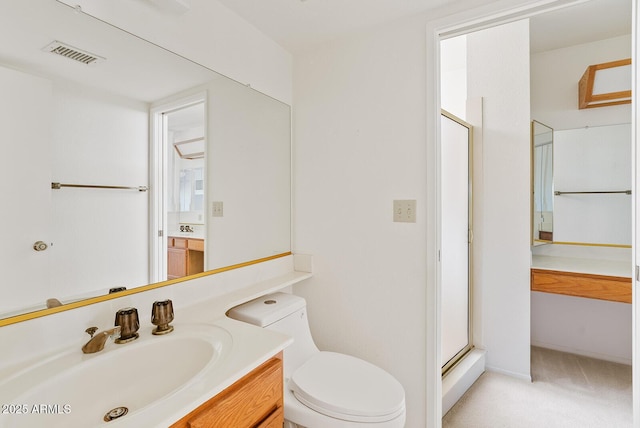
{"points": [[96, 343]]}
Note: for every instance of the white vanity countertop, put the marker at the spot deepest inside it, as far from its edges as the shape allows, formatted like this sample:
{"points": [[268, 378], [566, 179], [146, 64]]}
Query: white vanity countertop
{"points": [[192, 235], [583, 265], [251, 346]]}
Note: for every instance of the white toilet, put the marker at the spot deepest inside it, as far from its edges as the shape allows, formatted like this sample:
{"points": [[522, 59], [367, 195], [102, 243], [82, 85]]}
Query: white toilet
{"points": [[324, 389]]}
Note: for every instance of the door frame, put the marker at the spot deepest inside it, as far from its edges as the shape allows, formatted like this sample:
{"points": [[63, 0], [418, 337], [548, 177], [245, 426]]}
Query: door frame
{"points": [[496, 13]]}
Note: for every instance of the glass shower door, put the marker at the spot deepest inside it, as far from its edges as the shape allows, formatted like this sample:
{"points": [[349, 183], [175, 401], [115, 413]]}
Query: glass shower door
{"points": [[456, 191]]}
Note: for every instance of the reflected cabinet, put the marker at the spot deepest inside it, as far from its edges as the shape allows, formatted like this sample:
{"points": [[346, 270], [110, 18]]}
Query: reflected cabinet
{"points": [[185, 256]]}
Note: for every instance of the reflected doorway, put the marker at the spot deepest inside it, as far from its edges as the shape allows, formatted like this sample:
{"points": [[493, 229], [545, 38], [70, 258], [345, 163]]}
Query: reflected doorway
{"points": [[180, 178]]}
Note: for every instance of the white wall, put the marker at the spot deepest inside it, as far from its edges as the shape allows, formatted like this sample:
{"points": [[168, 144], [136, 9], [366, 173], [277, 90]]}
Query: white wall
{"points": [[590, 327], [498, 71], [453, 75], [359, 131]]}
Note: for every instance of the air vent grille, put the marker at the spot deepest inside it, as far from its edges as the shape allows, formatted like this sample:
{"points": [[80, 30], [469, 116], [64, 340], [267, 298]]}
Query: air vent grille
{"points": [[73, 53]]}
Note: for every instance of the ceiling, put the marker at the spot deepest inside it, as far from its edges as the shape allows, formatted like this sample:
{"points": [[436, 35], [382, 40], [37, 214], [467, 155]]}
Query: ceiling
{"points": [[587, 22], [300, 24], [133, 67], [295, 24]]}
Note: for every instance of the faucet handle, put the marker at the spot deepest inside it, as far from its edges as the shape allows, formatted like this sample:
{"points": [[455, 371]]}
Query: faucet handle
{"points": [[91, 331], [127, 319], [161, 316]]}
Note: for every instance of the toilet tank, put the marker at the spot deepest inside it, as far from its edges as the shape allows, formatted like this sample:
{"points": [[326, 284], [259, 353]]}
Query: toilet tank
{"points": [[284, 313], [266, 310]]}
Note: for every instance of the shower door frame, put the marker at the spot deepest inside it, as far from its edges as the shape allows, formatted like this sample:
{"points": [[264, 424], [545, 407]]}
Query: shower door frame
{"points": [[458, 356]]}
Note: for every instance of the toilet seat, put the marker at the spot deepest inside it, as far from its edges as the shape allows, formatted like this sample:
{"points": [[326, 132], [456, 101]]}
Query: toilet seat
{"points": [[347, 388]]}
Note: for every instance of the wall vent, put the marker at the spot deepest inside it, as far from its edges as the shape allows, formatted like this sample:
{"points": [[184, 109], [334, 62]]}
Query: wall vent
{"points": [[73, 53]]}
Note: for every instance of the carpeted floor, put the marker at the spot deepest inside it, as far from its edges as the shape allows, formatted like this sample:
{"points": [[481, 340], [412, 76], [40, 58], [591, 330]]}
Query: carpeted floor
{"points": [[568, 391]]}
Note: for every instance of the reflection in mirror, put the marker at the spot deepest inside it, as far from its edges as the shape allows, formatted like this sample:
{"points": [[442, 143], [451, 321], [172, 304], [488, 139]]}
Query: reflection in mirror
{"points": [[542, 146], [183, 145], [191, 194], [94, 123], [593, 177]]}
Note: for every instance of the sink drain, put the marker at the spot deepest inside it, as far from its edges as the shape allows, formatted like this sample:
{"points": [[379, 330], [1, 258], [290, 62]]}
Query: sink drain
{"points": [[116, 413]]}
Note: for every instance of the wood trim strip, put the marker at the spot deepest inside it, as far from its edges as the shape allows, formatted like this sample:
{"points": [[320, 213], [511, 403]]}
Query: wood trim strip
{"points": [[92, 300], [602, 287]]}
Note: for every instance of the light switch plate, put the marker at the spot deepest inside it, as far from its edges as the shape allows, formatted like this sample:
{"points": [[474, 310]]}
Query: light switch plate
{"points": [[216, 209], [404, 210]]}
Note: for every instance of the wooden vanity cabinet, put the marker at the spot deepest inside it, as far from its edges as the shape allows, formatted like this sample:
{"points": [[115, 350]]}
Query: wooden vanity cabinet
{"points": [[603, 287], [255, 401], [185, 256]]}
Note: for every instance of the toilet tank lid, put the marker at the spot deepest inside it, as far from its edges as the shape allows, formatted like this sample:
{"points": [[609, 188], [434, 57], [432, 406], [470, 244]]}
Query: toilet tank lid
{"points": [[268, 309]]}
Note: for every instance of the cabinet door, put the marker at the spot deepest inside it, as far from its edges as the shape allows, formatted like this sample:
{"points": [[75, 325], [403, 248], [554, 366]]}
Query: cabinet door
{"points": [[256, 400], [176, 263], [276, 420]]}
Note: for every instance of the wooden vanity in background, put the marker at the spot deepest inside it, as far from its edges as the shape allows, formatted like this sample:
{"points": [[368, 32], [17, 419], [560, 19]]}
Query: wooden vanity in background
{"points": [[594, 279], [185, 256]]}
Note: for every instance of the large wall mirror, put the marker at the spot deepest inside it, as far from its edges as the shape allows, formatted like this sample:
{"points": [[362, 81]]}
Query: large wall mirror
{"points": [[582, 185], [542, 168], [180, 169], [592, 185]]}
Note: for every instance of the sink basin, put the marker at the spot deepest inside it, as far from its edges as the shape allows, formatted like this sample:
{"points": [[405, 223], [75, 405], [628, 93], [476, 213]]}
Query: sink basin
{"points": [[72, 389]]}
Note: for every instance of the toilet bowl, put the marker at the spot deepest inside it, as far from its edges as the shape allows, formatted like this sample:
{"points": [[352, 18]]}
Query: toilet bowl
{"points": [[324, 389]]}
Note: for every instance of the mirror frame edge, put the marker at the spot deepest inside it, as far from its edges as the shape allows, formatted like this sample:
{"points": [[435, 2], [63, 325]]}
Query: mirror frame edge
{"points": [[98, 299], [532, 239], [531, 182]]}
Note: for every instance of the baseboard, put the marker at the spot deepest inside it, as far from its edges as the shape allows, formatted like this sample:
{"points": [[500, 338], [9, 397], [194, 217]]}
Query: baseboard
{"points": [[596, 355], [509, 373], [461, 377]]}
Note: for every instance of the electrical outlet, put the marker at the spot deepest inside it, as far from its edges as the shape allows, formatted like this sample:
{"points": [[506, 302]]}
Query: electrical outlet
{"points": [[404, 210], [216, 209]]}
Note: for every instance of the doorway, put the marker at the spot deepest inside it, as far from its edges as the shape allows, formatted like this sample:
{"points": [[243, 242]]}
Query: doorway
{"points": [[463, 24], [179, 171]]}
